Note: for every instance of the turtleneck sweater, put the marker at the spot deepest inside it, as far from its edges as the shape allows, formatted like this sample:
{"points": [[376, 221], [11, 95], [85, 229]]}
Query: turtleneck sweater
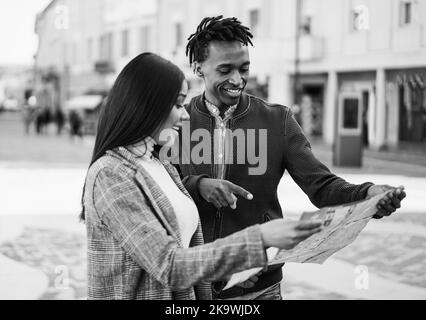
{"points": [[184, 208]]}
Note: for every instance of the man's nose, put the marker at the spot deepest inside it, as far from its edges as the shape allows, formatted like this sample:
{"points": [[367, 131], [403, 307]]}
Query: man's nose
{"points": [[235, 78]]}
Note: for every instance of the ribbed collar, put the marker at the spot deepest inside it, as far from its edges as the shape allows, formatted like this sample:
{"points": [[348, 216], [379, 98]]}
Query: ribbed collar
{"points": [[143, 149]]}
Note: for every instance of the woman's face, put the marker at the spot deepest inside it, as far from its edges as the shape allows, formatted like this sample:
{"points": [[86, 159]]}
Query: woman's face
{"points": [[169, 131]]}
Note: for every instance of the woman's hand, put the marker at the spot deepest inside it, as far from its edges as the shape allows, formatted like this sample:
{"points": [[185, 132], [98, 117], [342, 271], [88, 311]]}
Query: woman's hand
{"points": [[286, 234]]}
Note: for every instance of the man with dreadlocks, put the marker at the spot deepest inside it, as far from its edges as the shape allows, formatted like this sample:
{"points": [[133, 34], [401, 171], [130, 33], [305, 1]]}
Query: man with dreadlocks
{"points": [[218, 52]]}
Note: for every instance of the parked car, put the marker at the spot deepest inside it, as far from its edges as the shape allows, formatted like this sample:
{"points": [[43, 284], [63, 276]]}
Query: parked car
{"points": [[83, 111], [11, 105]]}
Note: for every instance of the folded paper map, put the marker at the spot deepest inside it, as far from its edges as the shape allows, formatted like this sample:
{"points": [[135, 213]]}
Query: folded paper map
{"points": [[341, 226]]}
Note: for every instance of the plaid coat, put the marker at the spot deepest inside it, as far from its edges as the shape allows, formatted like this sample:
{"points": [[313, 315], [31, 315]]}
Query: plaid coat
{"points": [[134, 246]]}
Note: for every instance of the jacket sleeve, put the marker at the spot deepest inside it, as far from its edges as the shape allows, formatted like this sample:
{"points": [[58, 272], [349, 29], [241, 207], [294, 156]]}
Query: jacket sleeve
{"points": [[124, 210], [313, 177], [191, 183]]}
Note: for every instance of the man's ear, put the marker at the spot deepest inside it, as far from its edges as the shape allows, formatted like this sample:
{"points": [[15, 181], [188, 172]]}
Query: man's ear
{"points": [[196, 67]]}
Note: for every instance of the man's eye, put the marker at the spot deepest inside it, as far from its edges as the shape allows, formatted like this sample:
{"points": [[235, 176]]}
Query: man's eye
{"points": [[245, 70], [224, 71]]}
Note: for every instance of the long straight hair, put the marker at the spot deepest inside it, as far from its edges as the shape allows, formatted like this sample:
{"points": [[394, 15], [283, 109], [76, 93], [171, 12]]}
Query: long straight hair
{"points": [[139, 102]]}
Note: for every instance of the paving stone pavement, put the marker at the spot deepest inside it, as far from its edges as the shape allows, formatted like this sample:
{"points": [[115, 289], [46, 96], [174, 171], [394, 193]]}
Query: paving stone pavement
{"points": [[60, 255], [398, 257]]}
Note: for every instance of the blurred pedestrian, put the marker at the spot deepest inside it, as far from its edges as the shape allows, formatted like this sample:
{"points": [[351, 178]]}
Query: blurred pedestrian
{"points": [[39, 120], [76, 123], [27, 117], [59, 120], [144, 235], [42, 120]]}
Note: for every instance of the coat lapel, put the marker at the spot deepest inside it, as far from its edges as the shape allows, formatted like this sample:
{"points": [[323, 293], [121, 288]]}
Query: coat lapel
{"points": [[159, 201]]}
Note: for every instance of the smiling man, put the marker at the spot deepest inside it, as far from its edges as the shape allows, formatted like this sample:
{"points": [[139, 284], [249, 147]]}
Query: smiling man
{"points": [[218, 52]]}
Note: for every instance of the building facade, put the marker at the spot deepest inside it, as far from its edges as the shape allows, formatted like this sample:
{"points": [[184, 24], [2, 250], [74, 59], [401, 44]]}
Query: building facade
{"points": [[306, 54], [373, 48], [310, 52], [69, 61]]}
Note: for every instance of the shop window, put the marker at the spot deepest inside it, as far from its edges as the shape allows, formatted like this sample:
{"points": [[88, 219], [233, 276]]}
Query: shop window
{"points": [[350, 114], [412, 103]]}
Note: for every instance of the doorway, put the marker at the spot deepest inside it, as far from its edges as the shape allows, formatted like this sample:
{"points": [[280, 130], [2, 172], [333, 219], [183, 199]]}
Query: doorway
{"points": [[312, 105]]}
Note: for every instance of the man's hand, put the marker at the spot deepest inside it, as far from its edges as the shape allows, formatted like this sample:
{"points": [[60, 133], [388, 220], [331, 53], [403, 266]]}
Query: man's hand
{"points": [[222, 193], [390, 202]]}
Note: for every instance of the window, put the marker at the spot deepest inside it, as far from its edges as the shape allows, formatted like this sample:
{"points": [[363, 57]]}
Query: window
{"points": [[109, 52], [89, 50], [102, 49], [145, 38], [178, 34], [105, 46], [124, 43], [405, 12], [305, 25], [61, 17], [254, 21], [360, 18], [74, 53]]}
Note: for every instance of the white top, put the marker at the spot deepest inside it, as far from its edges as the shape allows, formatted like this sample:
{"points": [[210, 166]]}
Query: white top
{"points": [[185, 209]]}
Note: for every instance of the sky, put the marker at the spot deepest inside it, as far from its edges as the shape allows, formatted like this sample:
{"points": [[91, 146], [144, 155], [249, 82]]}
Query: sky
{"points": [[18, 42]]}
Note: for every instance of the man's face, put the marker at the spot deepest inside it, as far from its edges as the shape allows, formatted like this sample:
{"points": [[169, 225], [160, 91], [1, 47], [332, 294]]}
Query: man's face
{"points": [[225, 72]]}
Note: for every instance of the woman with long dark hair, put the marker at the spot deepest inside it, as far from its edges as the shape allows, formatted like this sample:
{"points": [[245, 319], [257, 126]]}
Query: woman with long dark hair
{"points": [[144, 235]]}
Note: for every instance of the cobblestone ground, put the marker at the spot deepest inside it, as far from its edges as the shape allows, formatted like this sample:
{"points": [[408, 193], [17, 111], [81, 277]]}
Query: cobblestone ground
{"points": [[60, 255], [400, 258], [302, 291]]}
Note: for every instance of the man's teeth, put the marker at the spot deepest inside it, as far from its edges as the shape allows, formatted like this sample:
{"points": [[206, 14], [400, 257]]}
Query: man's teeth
{"points": [[233, 91]]}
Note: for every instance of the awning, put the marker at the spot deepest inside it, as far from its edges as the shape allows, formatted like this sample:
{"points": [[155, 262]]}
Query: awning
{"points": [[85, 102]]}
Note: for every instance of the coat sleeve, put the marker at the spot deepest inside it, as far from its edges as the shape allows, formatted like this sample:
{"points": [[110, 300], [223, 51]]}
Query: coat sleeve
{"points": [[124, 210], [313, 177]]}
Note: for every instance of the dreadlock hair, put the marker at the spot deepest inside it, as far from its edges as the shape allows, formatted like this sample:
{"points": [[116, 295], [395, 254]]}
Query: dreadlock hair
{"points": [[219, 29]]}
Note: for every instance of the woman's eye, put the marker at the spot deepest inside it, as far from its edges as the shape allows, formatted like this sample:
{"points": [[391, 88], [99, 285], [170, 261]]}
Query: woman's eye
{"points": [[178, 105]]}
